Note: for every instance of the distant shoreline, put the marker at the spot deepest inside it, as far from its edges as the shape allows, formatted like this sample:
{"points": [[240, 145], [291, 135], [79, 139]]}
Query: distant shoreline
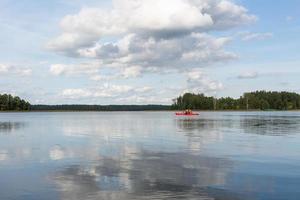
{"points": [[253, 101], [107, 111]]}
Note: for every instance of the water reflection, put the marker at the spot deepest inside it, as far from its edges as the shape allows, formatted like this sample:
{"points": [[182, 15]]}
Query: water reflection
{"points": [[267, 125], [261, 125], [3, 155], [7, 127], [199, 132], [192, 125], [57, 153], [152, 155], [152, 175]]}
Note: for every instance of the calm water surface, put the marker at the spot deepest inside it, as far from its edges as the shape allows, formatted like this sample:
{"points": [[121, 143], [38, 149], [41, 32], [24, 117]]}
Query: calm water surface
{"points": [[150, 155]]}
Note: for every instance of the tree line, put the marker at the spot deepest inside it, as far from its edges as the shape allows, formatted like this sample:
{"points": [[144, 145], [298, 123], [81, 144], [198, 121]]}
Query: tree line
{"points": [[13, 103], [99, 107], [258, 100]]}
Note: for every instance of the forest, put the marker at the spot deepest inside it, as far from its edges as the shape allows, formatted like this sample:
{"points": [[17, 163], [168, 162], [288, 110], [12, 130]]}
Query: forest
{"points": [[99, 107], [258, 100], [13, 103]]}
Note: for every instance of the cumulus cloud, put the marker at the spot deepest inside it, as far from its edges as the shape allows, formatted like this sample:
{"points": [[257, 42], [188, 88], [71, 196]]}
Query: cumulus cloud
{"points": [[14, 70], [154, 34], [104, 91], [75, 69], [138, 36], [121, 94], [133, 71], [161, 18], [136, 52], [95, 71], [199, 82]]}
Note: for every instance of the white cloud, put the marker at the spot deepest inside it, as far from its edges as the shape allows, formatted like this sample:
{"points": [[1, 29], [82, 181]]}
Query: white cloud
{"points": [[103, 91], [75, 69], [248, 75], [138, 99], [151, 34], [123, 94], [247, 36], [139, 36], [156, 17], [91, 24], [226, 14], [7, 69], [58, 69], [4, 68], [145, 89], [133, 71], [95, 71], [199, 82], [136, 53]]}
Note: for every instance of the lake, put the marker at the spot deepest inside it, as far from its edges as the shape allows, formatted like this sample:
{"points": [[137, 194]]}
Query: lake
{"points": [[150, 155]]}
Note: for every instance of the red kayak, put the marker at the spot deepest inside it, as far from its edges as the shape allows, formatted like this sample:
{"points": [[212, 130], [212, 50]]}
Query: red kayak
{"points": [[186, 114]]}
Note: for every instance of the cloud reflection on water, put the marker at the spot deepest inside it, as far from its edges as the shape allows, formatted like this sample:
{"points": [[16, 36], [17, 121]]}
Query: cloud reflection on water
{"points": [[153, 175], [3, 155], [140, 173], [132, 155]]}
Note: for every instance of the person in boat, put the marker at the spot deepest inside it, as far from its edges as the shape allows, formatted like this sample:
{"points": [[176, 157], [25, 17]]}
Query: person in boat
{"points": [[188, 112]]}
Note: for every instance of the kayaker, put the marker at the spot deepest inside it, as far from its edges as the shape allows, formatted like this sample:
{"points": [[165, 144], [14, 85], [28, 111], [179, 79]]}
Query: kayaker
{"points": [[188, 112]]}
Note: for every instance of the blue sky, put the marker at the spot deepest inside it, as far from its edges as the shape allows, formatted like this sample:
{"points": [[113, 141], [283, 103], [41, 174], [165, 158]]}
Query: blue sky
{"points": [[137, 52]]}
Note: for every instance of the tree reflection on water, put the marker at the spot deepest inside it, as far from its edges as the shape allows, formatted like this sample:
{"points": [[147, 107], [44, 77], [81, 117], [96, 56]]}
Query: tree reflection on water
{"points": [[7, 127], [270, 125], [261, 125], [151, 155]]}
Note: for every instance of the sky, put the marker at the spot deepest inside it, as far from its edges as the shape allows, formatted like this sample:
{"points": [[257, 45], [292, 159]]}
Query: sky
{"points": [[146, 51]]}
